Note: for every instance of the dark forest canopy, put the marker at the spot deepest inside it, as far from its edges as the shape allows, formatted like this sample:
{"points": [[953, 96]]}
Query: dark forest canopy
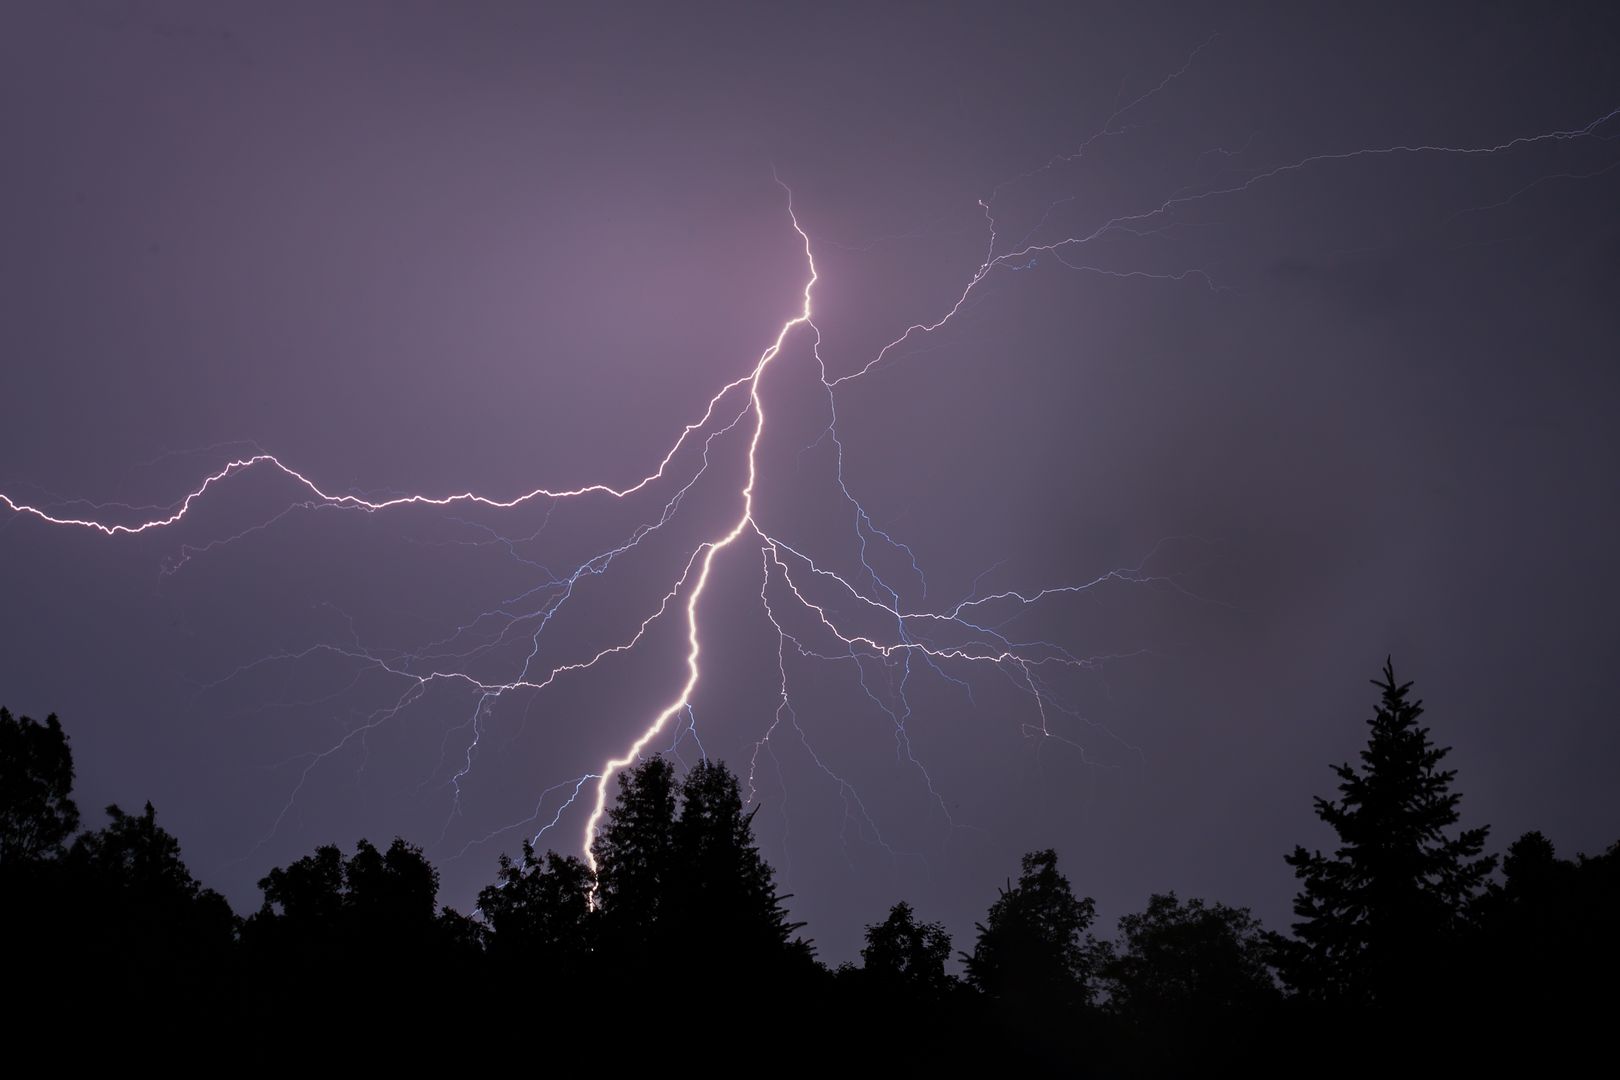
{"points": [[1404, 926]]}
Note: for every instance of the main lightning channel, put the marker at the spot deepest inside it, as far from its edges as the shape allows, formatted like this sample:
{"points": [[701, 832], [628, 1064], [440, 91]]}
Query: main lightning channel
{"points": [[710, 549]]}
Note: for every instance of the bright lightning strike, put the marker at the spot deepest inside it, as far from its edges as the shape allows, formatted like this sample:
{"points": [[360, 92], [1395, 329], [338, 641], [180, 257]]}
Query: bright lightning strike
{"points": [[951, 638], [709, 550]]}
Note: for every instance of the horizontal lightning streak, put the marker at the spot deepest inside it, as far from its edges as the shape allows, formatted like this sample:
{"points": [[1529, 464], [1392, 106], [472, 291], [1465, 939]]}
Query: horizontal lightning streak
{"points": [[369, 505]]}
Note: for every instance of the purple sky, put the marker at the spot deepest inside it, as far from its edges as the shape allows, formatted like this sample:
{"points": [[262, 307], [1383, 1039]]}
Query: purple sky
{"points": [[1360, 406]]}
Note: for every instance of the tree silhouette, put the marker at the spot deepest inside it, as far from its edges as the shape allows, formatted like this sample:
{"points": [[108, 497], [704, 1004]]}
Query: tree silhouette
{"points": [[37, 816], [539, 911], [684, 919], [397, 888], [1032, 948], [116, 914], [372, 890], [1376, 917], [634, 858], [140, 911], [310, 892], [723, 892], [688, 889], [333, 929], [1550, 925], [137, 855], [903, 954], [1188, 959]]}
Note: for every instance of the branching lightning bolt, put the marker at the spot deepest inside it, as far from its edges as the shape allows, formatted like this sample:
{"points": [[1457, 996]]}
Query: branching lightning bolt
{"points": [[949, 640]]}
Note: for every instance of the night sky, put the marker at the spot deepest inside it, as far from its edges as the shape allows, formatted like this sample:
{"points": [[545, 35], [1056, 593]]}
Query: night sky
{"points": [[1310, 386]]}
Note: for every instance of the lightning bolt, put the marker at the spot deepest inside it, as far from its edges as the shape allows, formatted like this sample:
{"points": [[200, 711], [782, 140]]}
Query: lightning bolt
{"points": [[944, 640], [708, 551]]}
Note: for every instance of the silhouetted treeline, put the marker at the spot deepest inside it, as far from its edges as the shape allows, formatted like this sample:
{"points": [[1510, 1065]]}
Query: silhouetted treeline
{"points": [[1411, 947]]}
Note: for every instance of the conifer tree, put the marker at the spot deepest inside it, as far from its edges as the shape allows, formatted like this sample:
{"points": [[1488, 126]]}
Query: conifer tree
{"points": [[1377, 915], [634, 852]]}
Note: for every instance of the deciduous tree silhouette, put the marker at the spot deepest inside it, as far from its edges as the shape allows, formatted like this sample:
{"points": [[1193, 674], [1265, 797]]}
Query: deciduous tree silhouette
{"points": [[37, 814], [1032, 948], [903, 954], [138, 856], [1378, 916], [1188, 959], [1550, 942], [146, 917], [42, 903], [371, 891], [539, 911], [366, 926]]}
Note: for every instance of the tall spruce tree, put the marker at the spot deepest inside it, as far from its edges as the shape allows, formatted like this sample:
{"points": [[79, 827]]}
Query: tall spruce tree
{"points": [[688, 889], [1378, 915], [635, 859], [723, 891]]}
